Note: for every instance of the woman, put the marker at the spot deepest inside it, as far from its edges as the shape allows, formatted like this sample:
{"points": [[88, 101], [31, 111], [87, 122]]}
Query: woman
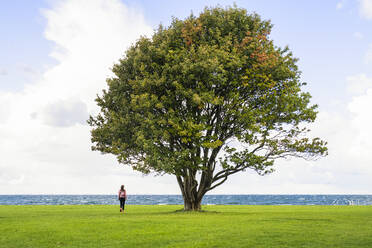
{"points": [[122, 197]]}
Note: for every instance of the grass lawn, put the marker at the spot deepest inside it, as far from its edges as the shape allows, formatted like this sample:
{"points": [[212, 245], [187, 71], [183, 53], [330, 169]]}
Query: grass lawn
{"points": [[162, 226]]}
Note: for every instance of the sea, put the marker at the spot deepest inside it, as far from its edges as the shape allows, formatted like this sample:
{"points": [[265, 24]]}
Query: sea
{"points": [[177, 199]]}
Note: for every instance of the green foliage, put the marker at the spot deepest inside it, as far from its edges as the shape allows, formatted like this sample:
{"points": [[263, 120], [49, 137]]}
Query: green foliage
{"points": [[160, 226], [207, 92]]}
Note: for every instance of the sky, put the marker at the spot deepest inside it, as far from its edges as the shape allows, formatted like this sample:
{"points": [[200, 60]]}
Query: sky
{"points": [[56, 54]]}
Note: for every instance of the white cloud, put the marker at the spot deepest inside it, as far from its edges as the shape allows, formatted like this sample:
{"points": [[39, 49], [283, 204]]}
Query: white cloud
{"points": [[358, 84], [360, 107], [64, 113], [5, 106], [38, 156], [365, 9], [9, 179]]}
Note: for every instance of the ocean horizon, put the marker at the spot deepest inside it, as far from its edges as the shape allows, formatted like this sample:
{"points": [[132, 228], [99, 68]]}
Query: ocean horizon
{"points": [[221, 199]]}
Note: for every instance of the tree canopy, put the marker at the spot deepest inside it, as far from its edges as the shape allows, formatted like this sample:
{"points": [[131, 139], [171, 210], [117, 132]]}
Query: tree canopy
{"points": [[204, 98]]}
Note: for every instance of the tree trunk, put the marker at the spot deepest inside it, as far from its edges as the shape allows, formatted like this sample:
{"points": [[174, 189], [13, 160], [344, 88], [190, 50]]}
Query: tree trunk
{"points": [[191, 205], [192, 200]]}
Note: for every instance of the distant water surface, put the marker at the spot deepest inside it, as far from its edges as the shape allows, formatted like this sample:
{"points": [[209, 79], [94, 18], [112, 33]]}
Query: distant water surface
{"points": [[177, 199]]}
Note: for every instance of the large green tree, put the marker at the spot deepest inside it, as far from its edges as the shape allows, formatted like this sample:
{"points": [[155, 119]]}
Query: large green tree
{"points": [[205, 98]]}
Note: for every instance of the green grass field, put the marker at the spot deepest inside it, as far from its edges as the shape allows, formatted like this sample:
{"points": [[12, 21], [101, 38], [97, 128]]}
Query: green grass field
{"points": [[162, 226]]}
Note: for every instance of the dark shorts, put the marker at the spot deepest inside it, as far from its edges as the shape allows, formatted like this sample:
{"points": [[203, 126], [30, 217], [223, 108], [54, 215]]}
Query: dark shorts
{"points": [[122, 202]]}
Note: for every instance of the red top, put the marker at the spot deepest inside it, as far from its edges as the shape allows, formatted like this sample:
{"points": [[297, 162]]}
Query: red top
{"points": [[122, 194]]}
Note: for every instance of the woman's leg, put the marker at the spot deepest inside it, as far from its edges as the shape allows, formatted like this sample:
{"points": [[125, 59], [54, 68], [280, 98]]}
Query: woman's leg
{"points": [[123, 203]]}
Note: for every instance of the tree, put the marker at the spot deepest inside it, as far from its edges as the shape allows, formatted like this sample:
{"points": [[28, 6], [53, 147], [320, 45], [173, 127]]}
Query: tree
{"points": [[203, 99]]}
